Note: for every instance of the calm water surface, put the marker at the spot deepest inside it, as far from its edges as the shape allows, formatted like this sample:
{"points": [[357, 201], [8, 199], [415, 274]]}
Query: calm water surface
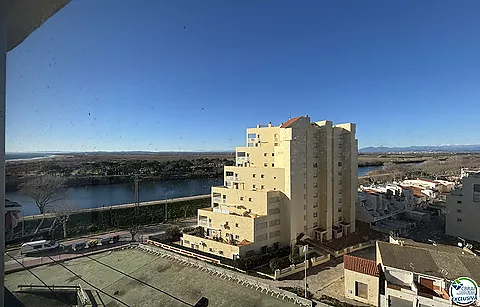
{"points": [[114, 194]]}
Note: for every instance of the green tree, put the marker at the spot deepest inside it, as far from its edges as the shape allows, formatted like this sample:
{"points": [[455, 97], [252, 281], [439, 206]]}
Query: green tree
{"points": [[173, 232]]}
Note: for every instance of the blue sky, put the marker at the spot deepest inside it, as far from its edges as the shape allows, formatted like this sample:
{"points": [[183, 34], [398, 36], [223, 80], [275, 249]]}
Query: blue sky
{"points": [[192, 75]]}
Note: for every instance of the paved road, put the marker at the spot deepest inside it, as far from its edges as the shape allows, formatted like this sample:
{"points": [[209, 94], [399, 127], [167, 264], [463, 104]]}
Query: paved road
{"points": [[59, 254]]}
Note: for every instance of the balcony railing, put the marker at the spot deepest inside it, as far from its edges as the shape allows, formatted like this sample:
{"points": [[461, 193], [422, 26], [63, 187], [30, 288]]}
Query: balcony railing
{"points": [[205, 224], [217, 199]]}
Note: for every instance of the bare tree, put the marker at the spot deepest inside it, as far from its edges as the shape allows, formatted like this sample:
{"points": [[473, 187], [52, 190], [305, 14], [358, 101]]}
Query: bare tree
{"points": [[46, 191], [62, 210]]}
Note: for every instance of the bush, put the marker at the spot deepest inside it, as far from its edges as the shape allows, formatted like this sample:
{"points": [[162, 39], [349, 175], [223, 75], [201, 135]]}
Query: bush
{"points": [[295, 258], [276, 264], [188, 229], [173, 232]]}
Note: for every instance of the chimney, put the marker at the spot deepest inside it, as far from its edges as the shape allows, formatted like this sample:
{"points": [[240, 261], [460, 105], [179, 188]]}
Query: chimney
{"points": [[269, 124]]}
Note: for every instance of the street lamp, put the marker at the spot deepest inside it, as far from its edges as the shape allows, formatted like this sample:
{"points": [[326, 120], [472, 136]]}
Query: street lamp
{"points": [[305, 250]]}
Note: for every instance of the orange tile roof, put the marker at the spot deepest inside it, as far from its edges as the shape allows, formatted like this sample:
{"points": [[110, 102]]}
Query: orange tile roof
{"points": [[360, 265], [244, 242], [289, 122]]}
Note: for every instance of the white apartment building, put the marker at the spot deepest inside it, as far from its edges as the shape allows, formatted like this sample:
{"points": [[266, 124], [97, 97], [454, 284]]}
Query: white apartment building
{"points": [[297, 178], [463, 209]]}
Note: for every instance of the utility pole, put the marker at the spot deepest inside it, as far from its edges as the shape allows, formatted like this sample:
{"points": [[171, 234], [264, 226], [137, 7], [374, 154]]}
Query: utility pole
{"points": [[166, 207], [305, 250]]}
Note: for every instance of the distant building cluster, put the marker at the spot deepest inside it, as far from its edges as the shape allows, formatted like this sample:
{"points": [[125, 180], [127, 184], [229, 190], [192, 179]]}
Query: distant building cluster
{"points": [[396, 208], [289, 181]]}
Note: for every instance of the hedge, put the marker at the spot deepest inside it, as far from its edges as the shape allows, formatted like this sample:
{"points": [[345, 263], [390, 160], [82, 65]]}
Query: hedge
{"points": [[120, 218]]}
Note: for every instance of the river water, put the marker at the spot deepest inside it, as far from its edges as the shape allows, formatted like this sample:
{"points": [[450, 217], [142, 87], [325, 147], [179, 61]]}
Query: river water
{"points": [[114, 194]]}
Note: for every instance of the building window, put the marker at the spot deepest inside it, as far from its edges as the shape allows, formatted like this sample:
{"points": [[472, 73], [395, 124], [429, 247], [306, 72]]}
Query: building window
{"points": [[237, 237], [476, 198], [339, 218], [459, 201], [273, 154], [241, 197], [224, 196], [459, 219], [236, 224], [264, 154], [315, 195], [275, 144], [274, 188], [261, 238], [315, 205], [262, 176], [315, 165], [340, 181], [315, 156], [254, 186], [249, 199], [339, 210], [340, 173], [254, 175], [476, 188], [339, 191], [339, 145], [315, 214], [339, 163], [262, 187], [339, 200], [252, 136], [265, 164], [274, 177], [210, 249], [274, 234], [220, 252], [315, 224], [459, 210], [361, 290], [273, 164], [274, 223], [273, 211], [250, 144]]}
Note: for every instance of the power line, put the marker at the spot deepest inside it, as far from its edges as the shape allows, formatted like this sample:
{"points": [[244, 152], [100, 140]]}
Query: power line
{"points": [[140, 281], [88, 283], [61, 298]]}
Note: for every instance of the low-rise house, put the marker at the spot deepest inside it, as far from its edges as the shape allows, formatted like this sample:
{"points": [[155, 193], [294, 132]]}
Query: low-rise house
{"points": [[361, 279], [409, 274], [380, 202]]}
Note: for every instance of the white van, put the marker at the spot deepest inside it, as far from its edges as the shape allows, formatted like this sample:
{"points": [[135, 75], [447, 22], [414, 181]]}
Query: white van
{"points": [[37, 246]]}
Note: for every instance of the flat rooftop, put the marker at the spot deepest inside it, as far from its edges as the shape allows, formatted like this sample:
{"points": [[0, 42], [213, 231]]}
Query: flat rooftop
{"points": [[184, 282]]}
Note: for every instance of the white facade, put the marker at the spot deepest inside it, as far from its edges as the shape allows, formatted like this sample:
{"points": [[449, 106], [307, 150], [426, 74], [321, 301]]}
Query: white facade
{"points": [[463, 209], [380, 202]]}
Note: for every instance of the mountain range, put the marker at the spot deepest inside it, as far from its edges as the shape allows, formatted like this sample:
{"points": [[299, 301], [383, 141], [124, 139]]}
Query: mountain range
{"points": [[437, 148]]}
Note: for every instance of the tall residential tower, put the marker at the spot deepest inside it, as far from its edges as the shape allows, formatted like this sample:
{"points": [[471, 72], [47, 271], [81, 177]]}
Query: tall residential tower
{"points": [[290, 180]]}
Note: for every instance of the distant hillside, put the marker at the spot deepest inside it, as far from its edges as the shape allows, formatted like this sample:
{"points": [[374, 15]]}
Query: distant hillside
{"points": [[441, 148]]}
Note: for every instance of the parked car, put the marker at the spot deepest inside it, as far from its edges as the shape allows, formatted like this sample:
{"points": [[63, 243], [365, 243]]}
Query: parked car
{"points": [[110, 240], [78, 246], [37, 246]]}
